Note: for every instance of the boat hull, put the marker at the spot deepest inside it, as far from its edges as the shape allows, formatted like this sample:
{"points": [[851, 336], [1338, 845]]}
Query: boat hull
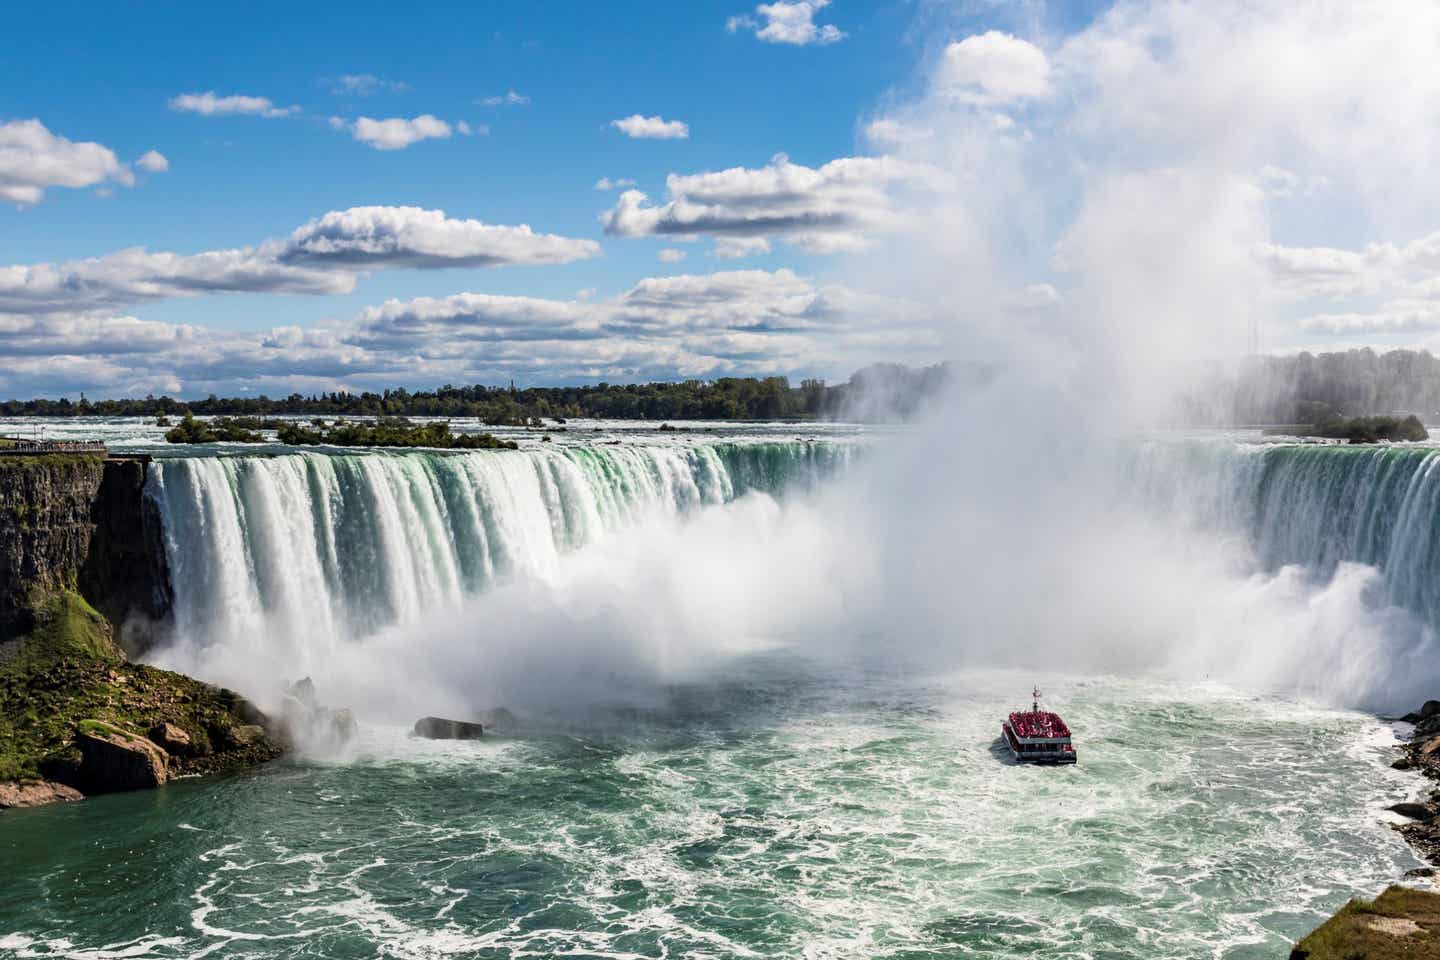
{"points": [[1050, 752]]}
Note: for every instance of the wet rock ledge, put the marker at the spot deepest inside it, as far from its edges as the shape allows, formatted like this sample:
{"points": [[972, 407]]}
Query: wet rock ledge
{"points": [[77, 718]]}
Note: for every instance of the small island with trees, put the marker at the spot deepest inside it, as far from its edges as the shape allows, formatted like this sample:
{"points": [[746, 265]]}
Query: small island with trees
{"points": [[385, 432], [1359, 429]]}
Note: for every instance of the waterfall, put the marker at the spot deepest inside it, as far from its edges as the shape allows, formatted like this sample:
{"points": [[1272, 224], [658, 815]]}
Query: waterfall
{"points": [[320, 547], [1316, 506]]}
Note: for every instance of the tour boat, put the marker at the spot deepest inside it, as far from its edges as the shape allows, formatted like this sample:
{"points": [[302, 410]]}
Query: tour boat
{"points": [[1038, 736]]}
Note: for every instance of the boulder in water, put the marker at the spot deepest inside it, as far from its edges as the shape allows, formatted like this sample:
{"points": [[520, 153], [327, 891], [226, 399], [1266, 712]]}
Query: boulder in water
{"points": [[439, 728], [34, 793], [113, 759], [1415, 811]]}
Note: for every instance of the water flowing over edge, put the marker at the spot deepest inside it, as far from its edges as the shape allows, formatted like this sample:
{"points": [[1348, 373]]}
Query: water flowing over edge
{"points": [[325, 547], [1315, 506]]}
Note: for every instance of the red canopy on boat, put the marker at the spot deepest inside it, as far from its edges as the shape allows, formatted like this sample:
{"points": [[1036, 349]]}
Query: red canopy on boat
{"points": [[1038, 724]]}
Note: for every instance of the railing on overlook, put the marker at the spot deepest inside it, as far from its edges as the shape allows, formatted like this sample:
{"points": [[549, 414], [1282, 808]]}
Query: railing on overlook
{"points": [[16, 446]]}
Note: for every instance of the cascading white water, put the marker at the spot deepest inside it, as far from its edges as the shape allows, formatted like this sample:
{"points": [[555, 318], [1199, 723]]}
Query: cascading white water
{"points": [[320, 547], [1312, 506]]}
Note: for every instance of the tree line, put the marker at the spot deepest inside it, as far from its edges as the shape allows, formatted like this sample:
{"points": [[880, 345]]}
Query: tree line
{"points": [[1312, 388], [881, 391]]}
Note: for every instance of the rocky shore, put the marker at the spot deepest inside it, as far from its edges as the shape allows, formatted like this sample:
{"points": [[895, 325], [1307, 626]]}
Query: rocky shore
{"points": [[1421, 753], [1402, 921]]}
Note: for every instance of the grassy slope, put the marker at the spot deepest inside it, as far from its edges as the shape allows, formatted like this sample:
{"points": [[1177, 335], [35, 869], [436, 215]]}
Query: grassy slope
{"points": [[1350, 935], [68, 671]]}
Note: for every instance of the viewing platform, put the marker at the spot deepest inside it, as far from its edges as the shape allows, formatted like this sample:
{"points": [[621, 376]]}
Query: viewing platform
{"points": [[18, 447]]}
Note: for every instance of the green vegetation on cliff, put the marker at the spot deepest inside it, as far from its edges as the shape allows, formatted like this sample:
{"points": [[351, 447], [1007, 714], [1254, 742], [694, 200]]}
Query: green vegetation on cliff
{"points": [[67, 672], [391, 432], [1400, 923]]}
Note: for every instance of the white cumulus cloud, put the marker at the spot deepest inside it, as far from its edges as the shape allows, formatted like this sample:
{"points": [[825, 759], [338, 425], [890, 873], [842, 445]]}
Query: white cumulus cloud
{"points": [[395, 133], [993, 68], [365, 237], [153, 161], [651, 128], [788, 21], [33, 159], [821, 209], [209, 104]]}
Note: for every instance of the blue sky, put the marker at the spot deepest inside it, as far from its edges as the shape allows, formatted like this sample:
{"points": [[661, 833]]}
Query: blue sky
{"points": [[257, 198], [105, 73]]}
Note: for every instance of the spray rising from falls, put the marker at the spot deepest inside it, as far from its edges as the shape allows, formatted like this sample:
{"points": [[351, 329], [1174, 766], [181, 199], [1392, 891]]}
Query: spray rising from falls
{"points": [[323, 549]]}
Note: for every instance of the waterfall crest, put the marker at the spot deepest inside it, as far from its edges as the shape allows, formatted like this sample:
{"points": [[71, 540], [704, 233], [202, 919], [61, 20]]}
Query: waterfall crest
{"points": [[326, 547]]}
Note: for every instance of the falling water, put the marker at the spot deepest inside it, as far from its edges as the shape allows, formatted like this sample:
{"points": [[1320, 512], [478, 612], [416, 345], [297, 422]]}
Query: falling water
{"points": [[1315, 506], [325, 546]]}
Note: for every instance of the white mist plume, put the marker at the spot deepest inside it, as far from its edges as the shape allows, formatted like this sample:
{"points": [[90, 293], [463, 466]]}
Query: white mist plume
{"points": [[1008, 530]]}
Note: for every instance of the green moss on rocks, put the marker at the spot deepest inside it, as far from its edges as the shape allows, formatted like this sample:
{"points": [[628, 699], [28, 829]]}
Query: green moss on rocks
{"points": [[1400, 923], [54, 461], [67, 675]]}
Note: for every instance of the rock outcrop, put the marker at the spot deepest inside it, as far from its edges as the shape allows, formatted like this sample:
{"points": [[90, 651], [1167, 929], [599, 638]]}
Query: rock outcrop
{"points": [[46, 524], [439, 728], [81, 522], [170, 738], [125, 575], [114, 760]]}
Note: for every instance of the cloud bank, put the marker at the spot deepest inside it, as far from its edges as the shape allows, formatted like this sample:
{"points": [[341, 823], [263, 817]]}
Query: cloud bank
{"points": [[323, 256], [739, 322]]}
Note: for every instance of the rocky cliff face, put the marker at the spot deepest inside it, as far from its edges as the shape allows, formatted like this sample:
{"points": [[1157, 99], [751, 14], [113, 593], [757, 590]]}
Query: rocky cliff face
{"points": [[125, 575], [83, 523], [46, 524]]}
